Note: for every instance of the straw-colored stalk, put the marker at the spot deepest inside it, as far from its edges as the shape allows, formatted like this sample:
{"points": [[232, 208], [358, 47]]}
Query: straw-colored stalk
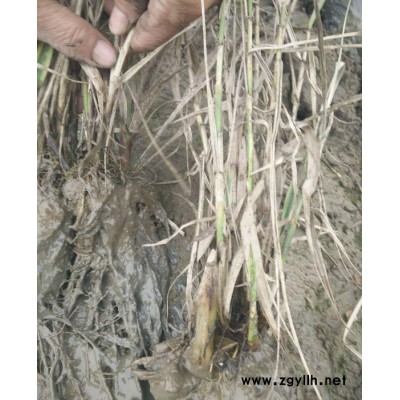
{"points": [[201, 349], [290, 211], [252, 335], [219, 162]]}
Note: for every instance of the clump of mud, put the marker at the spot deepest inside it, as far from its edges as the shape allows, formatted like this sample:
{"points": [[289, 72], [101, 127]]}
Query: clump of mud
{"points": [[101, 293]]}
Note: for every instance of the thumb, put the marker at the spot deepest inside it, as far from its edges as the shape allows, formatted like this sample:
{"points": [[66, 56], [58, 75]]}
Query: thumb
{"points": [[72, 35]]}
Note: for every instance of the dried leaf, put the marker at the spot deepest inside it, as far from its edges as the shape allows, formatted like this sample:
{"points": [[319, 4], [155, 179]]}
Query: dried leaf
{"points": [[233, 273]]}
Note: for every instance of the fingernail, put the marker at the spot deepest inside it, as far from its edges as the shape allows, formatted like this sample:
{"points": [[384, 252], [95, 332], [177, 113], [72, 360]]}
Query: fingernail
{"points": [[119, 22], [104, 54]]}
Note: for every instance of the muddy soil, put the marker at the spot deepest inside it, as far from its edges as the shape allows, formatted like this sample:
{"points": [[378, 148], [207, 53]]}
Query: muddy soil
{"points": [[103, 297]]}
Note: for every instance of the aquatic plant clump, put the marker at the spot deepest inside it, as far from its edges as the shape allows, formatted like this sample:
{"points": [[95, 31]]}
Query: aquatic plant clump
{"points": [[233, 119]]}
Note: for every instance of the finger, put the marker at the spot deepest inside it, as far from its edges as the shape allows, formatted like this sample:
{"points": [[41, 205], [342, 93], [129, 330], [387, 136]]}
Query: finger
{"points": [[162, 20], [72, 35], [152, 30], [124, 14]]}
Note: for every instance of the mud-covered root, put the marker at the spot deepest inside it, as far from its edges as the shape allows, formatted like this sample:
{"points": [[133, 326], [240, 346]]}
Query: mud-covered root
{"points": [[198, 355]]}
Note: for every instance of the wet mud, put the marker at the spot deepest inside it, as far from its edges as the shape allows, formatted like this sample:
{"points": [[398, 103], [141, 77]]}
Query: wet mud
{"points": [[101, 293]]}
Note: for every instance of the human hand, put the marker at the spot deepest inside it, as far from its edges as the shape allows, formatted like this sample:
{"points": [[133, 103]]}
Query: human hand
{"points": [[157, 21]]}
